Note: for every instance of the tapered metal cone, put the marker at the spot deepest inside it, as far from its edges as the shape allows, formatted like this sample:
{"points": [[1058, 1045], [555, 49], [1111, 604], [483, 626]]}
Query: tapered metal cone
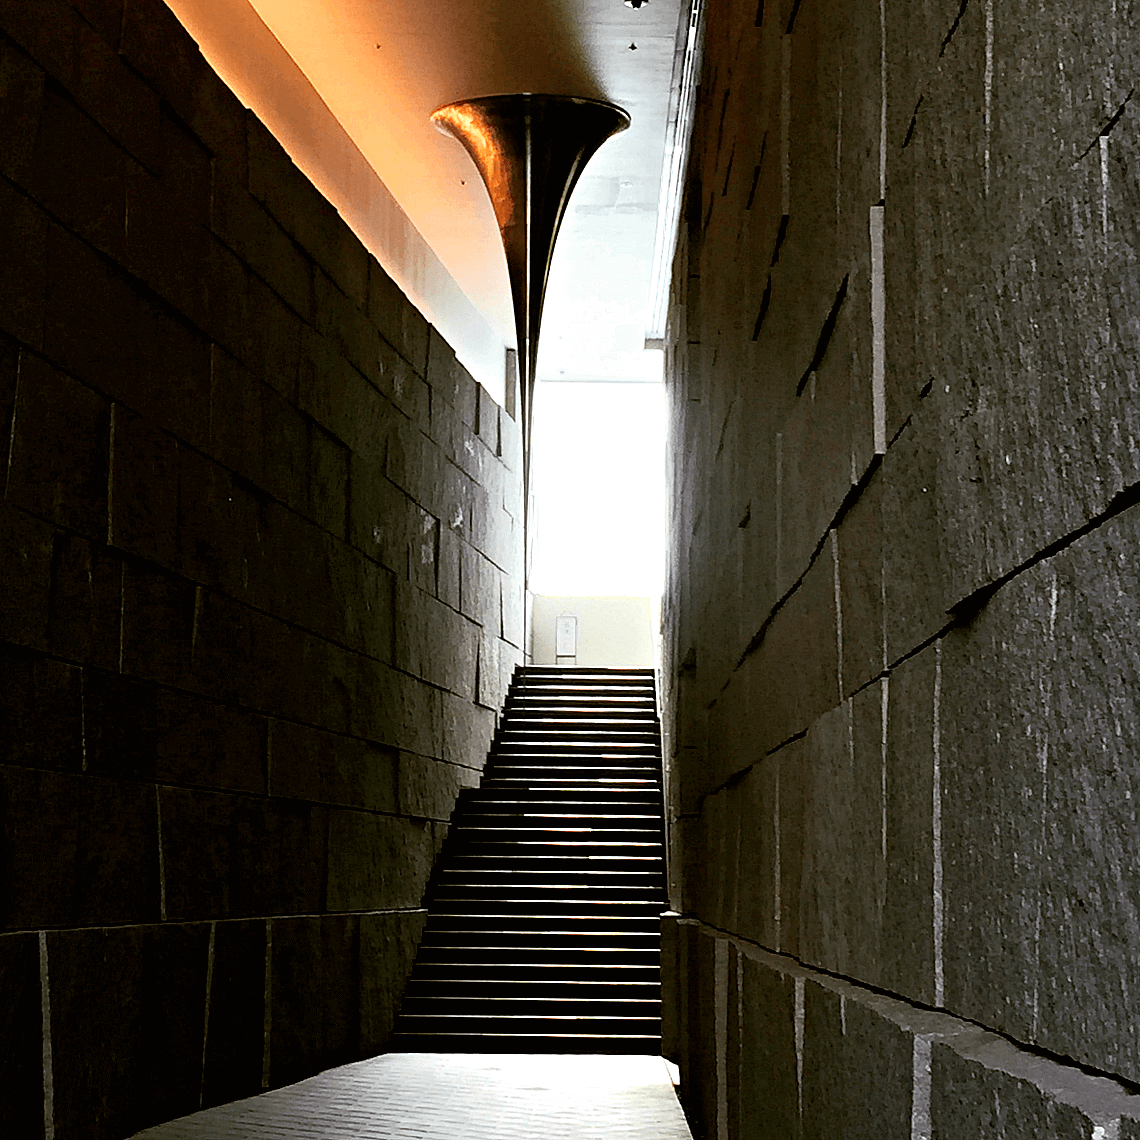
{"points": [[530, 150]]}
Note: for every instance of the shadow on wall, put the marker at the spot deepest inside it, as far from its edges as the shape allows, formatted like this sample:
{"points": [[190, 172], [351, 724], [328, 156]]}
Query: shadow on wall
{"points": [[596, 631]]}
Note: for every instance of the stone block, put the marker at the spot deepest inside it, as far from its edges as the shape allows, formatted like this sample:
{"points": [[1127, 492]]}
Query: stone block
{"points": [[982, 1085], [166, 238], [244, 225], [1027, 458], [916, 593], [399, 322], [769, 1082], [99, 327], [792, 775], [378, 515], [869, 864], [396, 709], [116, 875], [757, 918], [115, 97], [342, 401], [376, 862], [227, 855], [858, 1068], [96, 837], [1088, 936], [908, 913], [796, 675], [160, 49], [143, 501], [41, 711], [314, 1003], [402, 384], [21, 1051], [272, 339], [158, 625], [511, 596], [362, 597], [450, 380], [220, 526], [327, 500], [304, 214], [85, 602], [992, 738], [487, 420], [58, 464], [308, 764], [479, 589], [137, 730], [448, 568], [20, 110], [860, 548], [433, 642], [467, 731], [235, 1029], [140, 993], [79, 175], [829, 825], [51, 43], [25, 567], [255, 431], [415, 464], [388, 944], [23, 245], [429, 788], [423, 549]]}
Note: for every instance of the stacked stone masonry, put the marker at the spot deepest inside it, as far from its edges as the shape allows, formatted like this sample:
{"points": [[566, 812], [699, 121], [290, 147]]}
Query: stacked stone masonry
{"points": [[902, 658], [260, 546]]}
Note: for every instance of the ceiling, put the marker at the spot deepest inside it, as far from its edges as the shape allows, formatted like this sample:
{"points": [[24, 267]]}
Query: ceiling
{"points": [[382, 67]]}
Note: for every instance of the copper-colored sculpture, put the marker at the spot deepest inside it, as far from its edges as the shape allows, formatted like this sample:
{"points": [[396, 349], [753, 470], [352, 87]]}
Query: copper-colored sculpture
{"points": [[530, 150]]}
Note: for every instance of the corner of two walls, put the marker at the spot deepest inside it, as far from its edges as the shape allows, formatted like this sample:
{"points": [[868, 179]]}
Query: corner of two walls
{"points": [[902, 612], [260, 544]]}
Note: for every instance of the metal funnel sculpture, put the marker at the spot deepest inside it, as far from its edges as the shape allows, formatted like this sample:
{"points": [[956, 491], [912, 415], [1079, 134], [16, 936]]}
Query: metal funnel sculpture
{"points": [[530, 151]]}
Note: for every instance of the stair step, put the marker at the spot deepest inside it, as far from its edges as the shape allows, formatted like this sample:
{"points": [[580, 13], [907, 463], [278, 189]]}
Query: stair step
{"points": [[603, 1044], [538, 955], [526, 988], [543, 930], [608, 973]]}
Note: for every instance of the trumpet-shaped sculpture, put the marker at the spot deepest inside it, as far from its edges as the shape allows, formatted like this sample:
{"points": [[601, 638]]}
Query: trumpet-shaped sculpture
{"points": [[529, 150]]}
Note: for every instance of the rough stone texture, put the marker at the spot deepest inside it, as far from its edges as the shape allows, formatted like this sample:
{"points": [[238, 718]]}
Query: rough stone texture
{"points": [[908, 906], [235, 1028], [140, 993], [981, 1084], [899, 620], [992, 728], [21, 1054], [1089, 929], [259, 531], [769, 1095]]}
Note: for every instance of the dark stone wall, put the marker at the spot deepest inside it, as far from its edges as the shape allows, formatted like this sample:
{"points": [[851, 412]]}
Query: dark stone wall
{"points": [[260, 558], [902, 659]]}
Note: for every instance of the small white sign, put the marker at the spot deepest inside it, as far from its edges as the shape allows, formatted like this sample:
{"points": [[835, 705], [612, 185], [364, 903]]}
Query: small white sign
{"points": [[566, 636]]}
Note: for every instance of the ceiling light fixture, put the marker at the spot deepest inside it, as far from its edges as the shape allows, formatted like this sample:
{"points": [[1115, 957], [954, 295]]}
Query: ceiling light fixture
{"points": [[636, 3]]}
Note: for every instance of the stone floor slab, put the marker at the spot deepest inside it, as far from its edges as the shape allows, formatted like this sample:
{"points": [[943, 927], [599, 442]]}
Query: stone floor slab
{"points": [[448, 1096]]}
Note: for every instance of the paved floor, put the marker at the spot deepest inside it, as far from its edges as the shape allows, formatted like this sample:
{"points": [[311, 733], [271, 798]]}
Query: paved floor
{"points": [[456, 1096]]}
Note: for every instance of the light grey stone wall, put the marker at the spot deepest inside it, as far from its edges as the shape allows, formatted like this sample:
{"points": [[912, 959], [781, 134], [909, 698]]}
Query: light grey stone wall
{"points": [[902, 661]]}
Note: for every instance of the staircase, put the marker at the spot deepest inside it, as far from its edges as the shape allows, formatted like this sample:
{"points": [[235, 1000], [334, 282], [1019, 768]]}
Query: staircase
{"points": [[542, 933]]}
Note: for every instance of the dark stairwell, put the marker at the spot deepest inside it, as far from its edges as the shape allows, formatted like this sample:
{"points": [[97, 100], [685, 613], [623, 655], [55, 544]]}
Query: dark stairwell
{"points": [[543, 931]]}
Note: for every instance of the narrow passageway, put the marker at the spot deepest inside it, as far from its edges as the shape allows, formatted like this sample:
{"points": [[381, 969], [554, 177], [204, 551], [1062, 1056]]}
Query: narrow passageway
{"points": [[543, 936], [456, 1096]]}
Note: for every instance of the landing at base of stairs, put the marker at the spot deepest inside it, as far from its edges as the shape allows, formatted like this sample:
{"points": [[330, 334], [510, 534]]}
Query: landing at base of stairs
{"points": [[456, 1096]]}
